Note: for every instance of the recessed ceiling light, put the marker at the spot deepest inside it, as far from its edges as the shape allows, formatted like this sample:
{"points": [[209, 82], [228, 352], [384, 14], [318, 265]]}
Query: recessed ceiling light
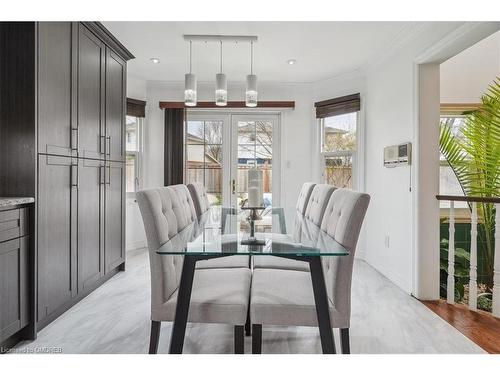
{"points": [[155, 60], [291, 62]]}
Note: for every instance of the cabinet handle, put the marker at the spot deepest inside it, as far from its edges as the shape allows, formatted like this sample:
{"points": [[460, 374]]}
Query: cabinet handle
{"points": [[108, 145], [74, 175], [101, 175], [108, 176], [103, 144], [74, 138]]}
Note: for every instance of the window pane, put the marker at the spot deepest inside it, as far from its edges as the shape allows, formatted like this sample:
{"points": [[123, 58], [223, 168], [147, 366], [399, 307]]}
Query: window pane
{"points": [[246, 132], [264, 132], [195, 132], [204, 157], [213, 154], [131, 134], [213, 132], [194, 175], [339, 133], [130, 173], [338, 171], [195, 156]]}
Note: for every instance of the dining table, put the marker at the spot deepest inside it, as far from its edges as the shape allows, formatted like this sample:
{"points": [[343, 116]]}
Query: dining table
{"points": [[224, 231]]}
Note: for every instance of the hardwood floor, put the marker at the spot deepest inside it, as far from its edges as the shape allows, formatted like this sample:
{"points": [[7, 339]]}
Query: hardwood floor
{"points": [[479, 326], [115, 319]]}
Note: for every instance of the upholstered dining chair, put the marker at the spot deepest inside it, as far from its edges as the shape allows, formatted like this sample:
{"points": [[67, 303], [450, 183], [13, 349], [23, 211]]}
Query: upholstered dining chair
{"points": [[311, 204], [285, 296], [218, 295], [202, 206]]}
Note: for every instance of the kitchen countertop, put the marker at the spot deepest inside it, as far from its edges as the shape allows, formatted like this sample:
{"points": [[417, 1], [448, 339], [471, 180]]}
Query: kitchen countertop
{"points": [[13, 201]]}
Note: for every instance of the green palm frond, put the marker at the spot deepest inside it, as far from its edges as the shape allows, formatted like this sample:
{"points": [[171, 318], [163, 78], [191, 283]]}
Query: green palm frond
{"points": [[474, 156]]}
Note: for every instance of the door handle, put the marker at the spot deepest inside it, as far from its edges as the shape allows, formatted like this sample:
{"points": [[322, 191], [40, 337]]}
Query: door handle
{"points": [[233, 186]]}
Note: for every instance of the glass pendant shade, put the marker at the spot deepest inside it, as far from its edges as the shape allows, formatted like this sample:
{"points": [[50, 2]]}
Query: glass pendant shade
{"points": [[190, 94], [220, 90], [251, 92]]}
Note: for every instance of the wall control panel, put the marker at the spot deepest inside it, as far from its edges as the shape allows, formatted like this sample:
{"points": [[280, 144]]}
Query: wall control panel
{"points": [[397, 155]]}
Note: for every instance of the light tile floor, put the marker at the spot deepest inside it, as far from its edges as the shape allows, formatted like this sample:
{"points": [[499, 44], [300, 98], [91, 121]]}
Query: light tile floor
{"points": [[115, 319]]}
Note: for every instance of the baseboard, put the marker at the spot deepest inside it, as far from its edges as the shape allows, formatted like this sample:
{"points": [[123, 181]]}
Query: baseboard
{"points": [[135, 245], [61, 310], [395, 279]]}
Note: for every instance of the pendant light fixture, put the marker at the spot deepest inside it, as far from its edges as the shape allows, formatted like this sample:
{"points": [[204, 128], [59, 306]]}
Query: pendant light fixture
{"points": [[251, 92], [190, 83], [220, 85]]}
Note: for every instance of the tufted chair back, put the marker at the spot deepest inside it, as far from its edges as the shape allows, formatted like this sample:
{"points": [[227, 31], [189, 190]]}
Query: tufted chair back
{"points": [[200, 198], [342, 222], [317, 202], [304, 195], [169, 216]]}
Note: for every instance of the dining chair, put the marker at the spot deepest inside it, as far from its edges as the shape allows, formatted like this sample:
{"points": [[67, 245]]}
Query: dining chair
{"points": [[285, 296], [219, 295], [202, 207], [310, 208]]}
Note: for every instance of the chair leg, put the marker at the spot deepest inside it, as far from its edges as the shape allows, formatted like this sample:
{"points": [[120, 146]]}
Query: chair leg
{"points": [[248, 331], [256, 338], [155, 337], [239, 340], [344, 341]]}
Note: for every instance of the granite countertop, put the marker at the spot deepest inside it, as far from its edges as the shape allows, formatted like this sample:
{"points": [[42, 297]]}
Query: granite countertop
{"points": [[13, 201]]}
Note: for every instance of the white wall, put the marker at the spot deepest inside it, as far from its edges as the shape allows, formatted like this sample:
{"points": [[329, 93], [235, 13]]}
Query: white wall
{"points": [[296, 133], [134, 229], [466, 76], [390, 114]]}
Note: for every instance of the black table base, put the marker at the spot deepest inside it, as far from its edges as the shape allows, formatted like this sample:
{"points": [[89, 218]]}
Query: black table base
{"points": [[184, 298]]}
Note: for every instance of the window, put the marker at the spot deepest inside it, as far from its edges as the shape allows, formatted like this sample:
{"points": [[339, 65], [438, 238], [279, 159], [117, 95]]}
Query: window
{"points": [[338, 147], [204, 157], [133, 146], [448, 182]]}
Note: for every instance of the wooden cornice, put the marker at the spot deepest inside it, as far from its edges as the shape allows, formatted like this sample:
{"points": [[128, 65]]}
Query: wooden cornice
{"points": [[106, 36], [234, 104]]}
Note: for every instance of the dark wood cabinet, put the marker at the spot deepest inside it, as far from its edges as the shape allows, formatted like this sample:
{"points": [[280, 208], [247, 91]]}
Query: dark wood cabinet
{"points": [[62, 117], [57, 215], [90, 222], [91, 86], [115, 106], [57, 130], [114, 215], [14, 278]]}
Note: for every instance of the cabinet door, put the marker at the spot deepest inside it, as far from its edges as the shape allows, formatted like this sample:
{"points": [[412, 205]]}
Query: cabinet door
{"points": [[90, 222], [56, 132], [13, 286], [57, 199], [115, 106], [91, 59], [114, 215]]}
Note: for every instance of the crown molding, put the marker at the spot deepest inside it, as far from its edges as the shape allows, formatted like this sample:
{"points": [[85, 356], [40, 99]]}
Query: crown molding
{"points": [[403, 38], [457, 40]]}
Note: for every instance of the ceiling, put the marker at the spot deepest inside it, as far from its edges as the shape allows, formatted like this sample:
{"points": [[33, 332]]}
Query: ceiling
{"points": [[322, 49]]}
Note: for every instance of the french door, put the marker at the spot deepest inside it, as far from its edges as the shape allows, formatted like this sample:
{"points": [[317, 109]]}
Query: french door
{"points": [[221, 149]]}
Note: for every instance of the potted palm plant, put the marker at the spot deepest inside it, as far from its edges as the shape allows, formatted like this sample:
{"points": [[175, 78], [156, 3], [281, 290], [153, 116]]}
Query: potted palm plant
{"points": [[473, 153]]}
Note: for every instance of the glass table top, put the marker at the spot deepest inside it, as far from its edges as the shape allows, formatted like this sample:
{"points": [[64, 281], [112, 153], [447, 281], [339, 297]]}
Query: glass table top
{"points": [[278, 231]]}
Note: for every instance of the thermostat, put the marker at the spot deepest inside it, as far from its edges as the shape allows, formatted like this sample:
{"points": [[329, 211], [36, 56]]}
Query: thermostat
{"points": [[397, 155]]}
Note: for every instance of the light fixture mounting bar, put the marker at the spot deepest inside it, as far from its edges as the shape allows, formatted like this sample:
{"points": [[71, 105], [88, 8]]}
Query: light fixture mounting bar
{"points": [[221, 38]]}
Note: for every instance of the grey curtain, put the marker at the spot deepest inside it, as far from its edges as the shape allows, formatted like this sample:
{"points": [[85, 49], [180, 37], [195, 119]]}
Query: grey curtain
{"points": [[174, 146]]}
